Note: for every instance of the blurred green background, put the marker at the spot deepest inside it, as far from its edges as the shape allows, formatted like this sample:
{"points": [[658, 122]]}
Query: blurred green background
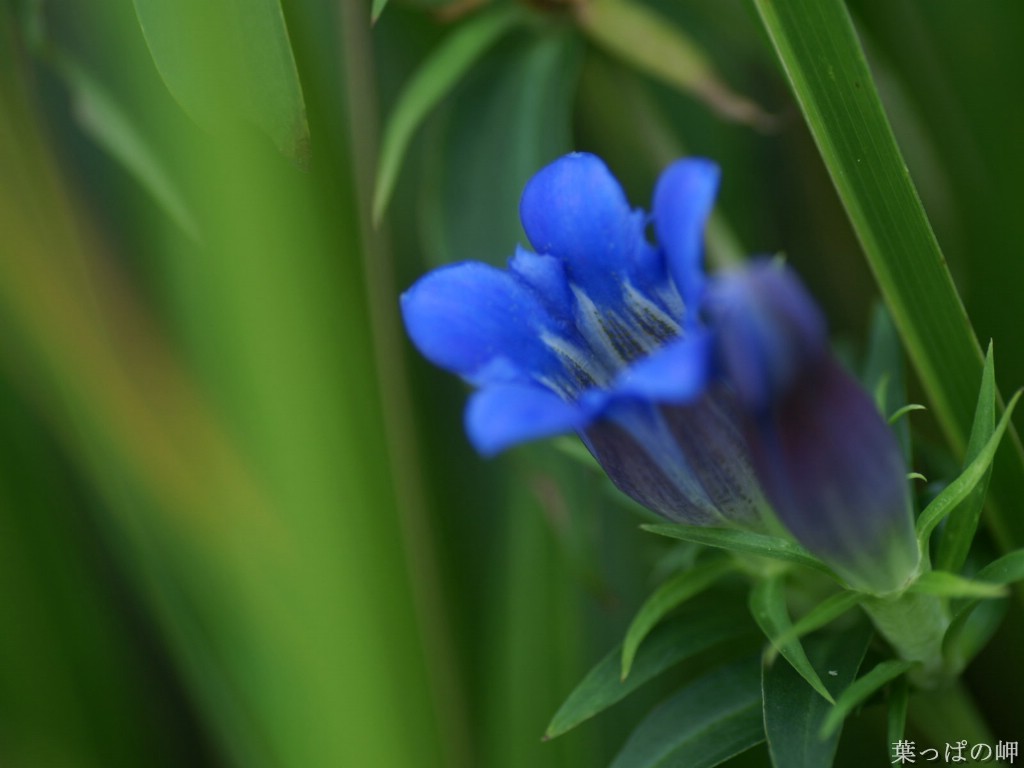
{"points": [[239, 521]]}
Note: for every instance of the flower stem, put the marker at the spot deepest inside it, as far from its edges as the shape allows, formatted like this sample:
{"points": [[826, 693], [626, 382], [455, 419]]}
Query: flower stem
{"points": [[914, 624]]}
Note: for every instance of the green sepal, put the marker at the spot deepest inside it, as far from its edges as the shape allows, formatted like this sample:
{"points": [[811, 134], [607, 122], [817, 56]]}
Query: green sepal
{"points": [[968, 480], [962, 523], [744, 542], [696, 629], [670, 595], [712, 719], [951, 585], [768, 607], [860, 690]]}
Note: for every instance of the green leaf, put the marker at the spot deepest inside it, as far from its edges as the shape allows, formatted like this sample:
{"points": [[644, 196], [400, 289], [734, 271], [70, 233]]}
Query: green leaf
{"points": [[951, 585], [793, 713], [963, 519], [768, 606], [228, 64], [823, 613], [860, 690], [899, 695], [695, 630], [111, 127], [742, 541], [957, 647], [639, 36], [434, 79], [712, 719], [512, 117], [818, 48], [377, 10], [670, 595], [961, 488]]}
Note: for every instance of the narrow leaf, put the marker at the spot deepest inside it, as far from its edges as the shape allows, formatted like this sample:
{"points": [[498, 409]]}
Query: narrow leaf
{"points": [[111, 128], [768, 606], [712, 719], [951, 585], [742, 541], [434, 79], [642, 38], [793, 713], [818, 48], [823, 613], [1006, 570], [697, 629], [860, 690], [377, 10], [965, 484], [227, 64], [897, 718], [963, 520], [670, 595]]}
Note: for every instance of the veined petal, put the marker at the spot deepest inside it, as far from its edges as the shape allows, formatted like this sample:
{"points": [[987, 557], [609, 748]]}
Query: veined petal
{"points": [[480, 322], [503, 415], [575, 210], [676, 373], [835, 475], [768, 329], [546, 275], [683, 199]]}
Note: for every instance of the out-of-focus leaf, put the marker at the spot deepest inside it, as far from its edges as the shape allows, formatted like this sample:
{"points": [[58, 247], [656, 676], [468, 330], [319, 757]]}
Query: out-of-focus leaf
{"points": [[793, 713], [113, 129], [965, 484], [742, 541], [377, 9], [228, 64], [768, 606], [897, 716], [512, 117], [652, 44], [859, 691], [434, 79], [712, 719], [668, 596], [694, 630], [963, 519], [818, 48]]}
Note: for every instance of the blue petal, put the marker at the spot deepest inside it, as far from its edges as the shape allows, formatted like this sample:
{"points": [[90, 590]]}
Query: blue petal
{"points": [[546, 275], [676, 373], [575, 210], [481, 323], [502, 415], [835, 475], [768, 331], [683, 199]]}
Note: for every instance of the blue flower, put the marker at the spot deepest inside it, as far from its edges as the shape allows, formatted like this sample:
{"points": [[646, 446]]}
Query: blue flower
{"points": [[828, 462], [700, 398], [597, 331]]}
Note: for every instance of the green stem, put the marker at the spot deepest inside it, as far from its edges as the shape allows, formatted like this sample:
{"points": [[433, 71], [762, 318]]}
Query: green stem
{"points": [[914, 624]]}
